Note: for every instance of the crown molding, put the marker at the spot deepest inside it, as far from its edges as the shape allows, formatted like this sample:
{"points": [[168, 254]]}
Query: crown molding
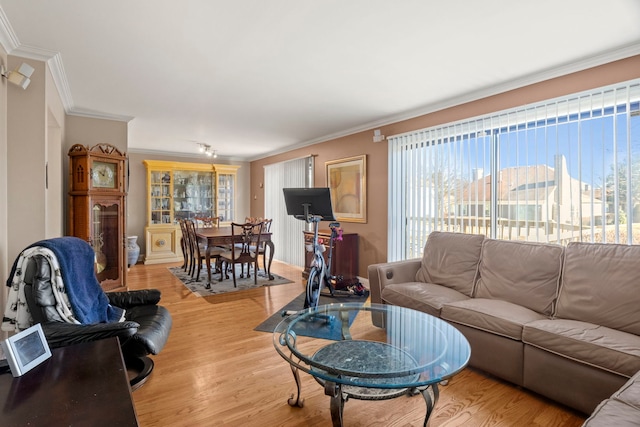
{"points": [[9, 41], [56, 67], [79, 112], [186, 155], [533, 78], [537, 77], [8, 38]]}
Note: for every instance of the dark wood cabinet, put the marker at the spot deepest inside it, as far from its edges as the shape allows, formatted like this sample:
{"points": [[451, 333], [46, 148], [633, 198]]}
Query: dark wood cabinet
{"points": [[83, 384], [344, 260]]}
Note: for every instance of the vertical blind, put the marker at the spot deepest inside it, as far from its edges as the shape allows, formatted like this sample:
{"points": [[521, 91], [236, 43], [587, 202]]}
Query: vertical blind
{"points": [[287, 232], [563, 170]]}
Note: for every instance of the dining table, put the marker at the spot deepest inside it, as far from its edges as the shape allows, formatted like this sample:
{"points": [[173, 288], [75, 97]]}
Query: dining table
{"points": [[223, 236]]}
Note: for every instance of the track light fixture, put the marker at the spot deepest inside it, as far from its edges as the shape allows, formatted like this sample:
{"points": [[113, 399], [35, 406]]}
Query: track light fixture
{"points": [[20, 76], [206, 149]]}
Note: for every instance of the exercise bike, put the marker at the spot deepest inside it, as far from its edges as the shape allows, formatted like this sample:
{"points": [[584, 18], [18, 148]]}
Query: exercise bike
{"points": [[319, 273], [301, 203]]}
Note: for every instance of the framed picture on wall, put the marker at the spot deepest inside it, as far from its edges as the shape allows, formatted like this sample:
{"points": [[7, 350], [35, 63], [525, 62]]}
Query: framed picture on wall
{"points": [[347, 181]]}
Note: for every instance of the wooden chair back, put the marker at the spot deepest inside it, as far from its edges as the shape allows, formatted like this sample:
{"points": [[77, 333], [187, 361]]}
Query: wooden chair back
{"points": [[185, 245], [243, 251], [207, 222]]}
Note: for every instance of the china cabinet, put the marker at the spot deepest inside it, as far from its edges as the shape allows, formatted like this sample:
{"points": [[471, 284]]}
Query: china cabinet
{"points": [[97, 196], [180, 190]]}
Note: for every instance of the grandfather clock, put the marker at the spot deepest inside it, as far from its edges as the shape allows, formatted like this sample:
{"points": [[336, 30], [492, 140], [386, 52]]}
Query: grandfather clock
{"points": [[97, 208]]}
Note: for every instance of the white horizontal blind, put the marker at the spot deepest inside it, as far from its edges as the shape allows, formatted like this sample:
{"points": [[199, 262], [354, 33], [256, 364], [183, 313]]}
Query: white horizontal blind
{"points": [[287, 232], [563, 170]]}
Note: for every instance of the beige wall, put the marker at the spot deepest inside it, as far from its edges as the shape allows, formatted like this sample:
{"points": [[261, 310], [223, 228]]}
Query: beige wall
{"points": [[4, 177], [31, 180], [35, 130], [90, 131], [137, 196], [55, 182], [26, 136], [373, 234]]}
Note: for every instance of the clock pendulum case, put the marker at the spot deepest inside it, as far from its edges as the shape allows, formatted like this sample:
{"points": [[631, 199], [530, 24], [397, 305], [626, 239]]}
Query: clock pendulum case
{"points": [[97, 196]]}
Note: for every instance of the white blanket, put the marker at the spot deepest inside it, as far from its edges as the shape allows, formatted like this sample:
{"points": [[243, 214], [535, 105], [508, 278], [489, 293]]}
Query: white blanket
{"points": [[16, 314]]}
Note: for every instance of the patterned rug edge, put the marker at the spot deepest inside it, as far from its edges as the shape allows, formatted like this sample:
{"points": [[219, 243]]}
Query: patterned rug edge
{"points": [[198, 287]]}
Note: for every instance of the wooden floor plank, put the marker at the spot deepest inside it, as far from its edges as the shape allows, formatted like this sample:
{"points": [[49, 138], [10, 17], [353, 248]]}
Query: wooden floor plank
{"points": [[217, 371]]}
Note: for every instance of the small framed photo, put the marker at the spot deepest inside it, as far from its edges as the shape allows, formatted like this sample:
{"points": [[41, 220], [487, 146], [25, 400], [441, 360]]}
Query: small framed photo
{"points": [[26, 350]]}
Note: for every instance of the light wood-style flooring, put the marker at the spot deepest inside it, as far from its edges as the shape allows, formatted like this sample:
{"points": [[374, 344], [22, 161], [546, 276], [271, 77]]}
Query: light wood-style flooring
{"points": [[217, 371]]}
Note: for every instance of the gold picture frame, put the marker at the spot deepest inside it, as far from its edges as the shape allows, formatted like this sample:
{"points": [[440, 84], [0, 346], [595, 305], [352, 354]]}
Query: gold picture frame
{"points": [[347, 182]]}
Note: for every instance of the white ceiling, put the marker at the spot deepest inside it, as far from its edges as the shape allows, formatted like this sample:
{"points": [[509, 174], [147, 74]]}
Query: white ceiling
{"points": [[258, 77]]}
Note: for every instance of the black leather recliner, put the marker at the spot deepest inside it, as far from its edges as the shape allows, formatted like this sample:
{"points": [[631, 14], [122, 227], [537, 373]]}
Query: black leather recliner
{"points": [[144, 331]]}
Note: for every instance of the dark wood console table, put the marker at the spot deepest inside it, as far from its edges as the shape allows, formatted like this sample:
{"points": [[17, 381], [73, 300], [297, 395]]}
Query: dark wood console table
{"points": [[83, 384], [344, 260]]}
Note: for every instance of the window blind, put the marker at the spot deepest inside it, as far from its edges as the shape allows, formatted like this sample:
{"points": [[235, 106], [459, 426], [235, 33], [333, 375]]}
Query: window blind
{"points": [[562, 170], [287, 232]]}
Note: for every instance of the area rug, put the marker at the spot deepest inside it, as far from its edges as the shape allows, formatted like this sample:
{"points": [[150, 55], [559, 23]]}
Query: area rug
{"points": [[314, 330], [198, 287]]}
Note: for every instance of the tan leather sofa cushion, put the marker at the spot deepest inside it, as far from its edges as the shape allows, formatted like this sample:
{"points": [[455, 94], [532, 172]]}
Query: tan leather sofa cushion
{"points": [[621, 410], [609, 349], [425, 297], [613, 413], [451, 260], [524, 273], [630, 392], [600, 285], [498, 317]]}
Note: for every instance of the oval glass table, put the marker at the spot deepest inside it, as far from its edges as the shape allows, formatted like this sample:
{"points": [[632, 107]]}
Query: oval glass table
{"points": [[339, 345]]}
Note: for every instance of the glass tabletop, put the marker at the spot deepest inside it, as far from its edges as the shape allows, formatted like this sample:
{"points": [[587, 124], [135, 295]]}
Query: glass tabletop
{"points": [[339, 343]]}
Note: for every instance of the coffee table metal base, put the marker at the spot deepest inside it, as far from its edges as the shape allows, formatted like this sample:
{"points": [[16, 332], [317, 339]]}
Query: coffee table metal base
{"points": [[343, 353], [341, 393]]}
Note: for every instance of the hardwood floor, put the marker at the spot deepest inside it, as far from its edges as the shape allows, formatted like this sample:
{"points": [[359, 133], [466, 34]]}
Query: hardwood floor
{"points": [[217, 371]]}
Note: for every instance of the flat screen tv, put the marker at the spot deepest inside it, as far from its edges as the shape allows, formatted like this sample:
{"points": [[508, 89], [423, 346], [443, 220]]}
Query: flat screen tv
{"points": [[305, 203]]}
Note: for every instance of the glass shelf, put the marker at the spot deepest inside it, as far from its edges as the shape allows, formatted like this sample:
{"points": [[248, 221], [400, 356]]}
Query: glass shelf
{"points": [[160, 189]]}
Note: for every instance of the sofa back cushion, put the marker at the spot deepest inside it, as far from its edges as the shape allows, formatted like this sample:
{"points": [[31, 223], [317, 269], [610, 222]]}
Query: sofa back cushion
{"points": [[523, 273], [600, 285], [451, 260]]}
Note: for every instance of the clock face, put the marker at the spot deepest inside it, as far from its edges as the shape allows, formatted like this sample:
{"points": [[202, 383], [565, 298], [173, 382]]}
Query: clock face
{"points": [[104, 175]]}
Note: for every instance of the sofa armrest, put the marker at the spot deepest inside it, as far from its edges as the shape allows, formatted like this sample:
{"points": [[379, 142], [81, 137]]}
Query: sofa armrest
{"points": [[383, 274]]}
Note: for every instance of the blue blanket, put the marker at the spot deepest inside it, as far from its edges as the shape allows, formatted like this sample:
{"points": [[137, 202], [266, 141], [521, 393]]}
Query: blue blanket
{"points": [[76, 258]]}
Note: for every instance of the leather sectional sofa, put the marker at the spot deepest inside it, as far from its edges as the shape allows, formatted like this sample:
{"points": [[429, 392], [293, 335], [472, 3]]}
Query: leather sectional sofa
{"points": [[561, 321]]}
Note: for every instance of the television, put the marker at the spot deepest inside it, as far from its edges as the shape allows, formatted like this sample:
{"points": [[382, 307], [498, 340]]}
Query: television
{"points": [[306, 203]]}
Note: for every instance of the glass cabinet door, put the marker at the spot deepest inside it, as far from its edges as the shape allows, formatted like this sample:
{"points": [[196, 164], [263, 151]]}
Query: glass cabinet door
{"points": [[193, 194], [226, 183], [106, 239], [160, 187]]}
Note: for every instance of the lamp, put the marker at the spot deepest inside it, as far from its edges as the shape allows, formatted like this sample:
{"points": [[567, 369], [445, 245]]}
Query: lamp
{"points": [[206, 149], [20, 76]]}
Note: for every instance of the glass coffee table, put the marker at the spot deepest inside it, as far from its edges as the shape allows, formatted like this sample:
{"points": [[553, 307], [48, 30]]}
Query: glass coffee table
{"points": [[341, 348]]}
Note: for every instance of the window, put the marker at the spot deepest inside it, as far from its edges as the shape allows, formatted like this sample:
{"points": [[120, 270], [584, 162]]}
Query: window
{"points": [[563, 170], [287, 231]]}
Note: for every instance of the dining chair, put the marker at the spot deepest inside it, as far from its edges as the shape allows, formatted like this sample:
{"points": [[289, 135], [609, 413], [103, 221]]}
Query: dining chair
{"points": [[266, 228], [207, 221], [185, 245], [247, 239], [199, 252]]}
